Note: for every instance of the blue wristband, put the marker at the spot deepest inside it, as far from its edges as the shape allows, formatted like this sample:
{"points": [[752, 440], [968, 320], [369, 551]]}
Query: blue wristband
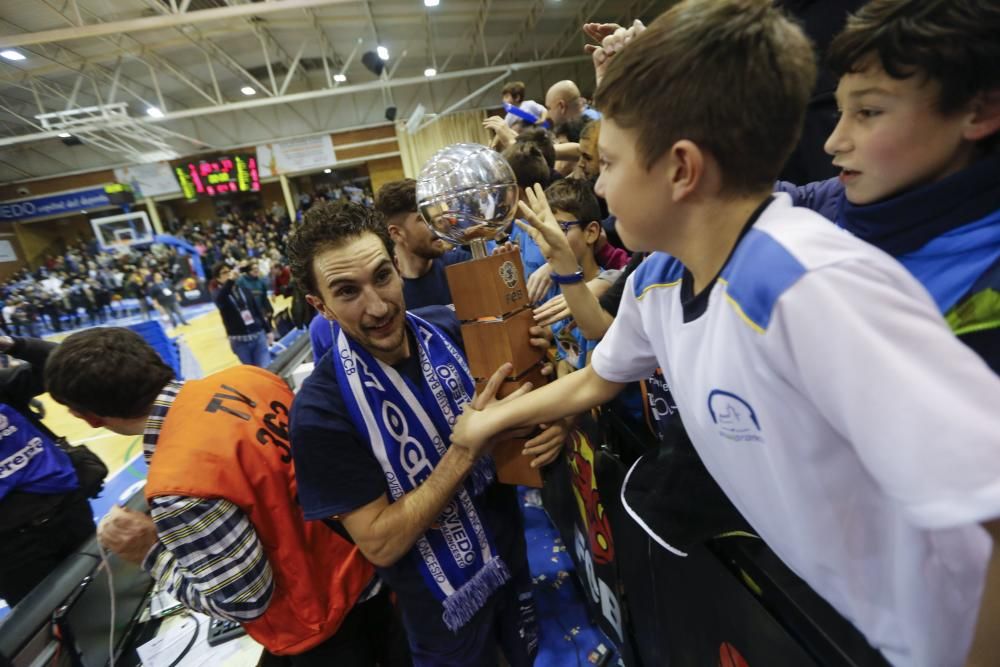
{"points": [[571, 279]]}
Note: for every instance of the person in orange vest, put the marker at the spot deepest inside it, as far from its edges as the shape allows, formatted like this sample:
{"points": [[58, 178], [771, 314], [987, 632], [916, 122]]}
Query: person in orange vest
{"points": [[226, 535]]}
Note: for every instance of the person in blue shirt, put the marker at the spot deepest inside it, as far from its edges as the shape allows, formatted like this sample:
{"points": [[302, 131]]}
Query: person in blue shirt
{"points": [[44, 513], [916, 145], [420, 255]]}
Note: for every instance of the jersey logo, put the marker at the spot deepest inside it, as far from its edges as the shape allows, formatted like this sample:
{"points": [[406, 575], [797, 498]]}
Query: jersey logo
{"points": [[735, 417]]}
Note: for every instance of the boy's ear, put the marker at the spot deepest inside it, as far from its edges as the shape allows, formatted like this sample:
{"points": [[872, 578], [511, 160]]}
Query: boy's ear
{"points": [[986, 116], [685, 168], [591, 232]]}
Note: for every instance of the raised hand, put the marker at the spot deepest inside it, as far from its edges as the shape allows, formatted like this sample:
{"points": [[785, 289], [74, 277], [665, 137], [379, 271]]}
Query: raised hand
{"points": [[504, 135], [545, 231], [611, 38]]}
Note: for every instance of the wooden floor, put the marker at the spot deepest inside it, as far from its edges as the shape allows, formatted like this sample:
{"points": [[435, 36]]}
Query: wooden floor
{"points": [[206, 338]]}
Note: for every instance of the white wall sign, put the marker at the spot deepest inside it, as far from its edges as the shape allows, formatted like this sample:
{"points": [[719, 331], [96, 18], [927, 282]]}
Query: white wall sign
{"points": [[149, 180], [7, 253], [296, 155]]}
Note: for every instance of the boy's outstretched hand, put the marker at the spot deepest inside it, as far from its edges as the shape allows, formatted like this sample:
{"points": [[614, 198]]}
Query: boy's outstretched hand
{"points": [[546, 232], [473, 431]]}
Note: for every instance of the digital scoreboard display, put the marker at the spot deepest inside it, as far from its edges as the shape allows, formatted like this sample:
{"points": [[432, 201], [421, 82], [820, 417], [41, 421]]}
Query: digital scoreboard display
{"points": [[218, 176]]}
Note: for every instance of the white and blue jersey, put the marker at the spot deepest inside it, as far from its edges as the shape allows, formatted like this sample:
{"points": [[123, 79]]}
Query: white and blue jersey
{"points": [[828, 398]]}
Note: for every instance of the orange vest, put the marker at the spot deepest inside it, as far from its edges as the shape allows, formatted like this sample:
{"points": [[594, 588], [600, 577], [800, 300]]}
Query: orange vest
{"points": [[226, 436]]}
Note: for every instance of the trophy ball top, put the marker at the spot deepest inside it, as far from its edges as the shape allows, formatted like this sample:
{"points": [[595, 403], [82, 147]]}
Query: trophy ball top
{"points": [[467, 192]]}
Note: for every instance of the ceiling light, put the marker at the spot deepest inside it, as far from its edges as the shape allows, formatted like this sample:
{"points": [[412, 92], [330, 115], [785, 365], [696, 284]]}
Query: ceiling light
{"points": [[11, 54], [382, 52], [431, 3], [65, 135], [339, 78], [248, 90], [327, 170], [430, 71], [154, 112]]}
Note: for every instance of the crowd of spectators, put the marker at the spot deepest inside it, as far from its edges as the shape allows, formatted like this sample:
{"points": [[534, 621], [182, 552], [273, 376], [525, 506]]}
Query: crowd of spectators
{"points": [[89, 285]]}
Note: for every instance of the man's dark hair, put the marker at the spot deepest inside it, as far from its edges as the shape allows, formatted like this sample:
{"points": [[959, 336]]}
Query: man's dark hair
{"points": [[954, 42], [528, 164], [397, 197], [218, 268], [571, 129], [515, 89], [542, 138], [732, 76], [329, 225], [108, 372], [576, 197]]}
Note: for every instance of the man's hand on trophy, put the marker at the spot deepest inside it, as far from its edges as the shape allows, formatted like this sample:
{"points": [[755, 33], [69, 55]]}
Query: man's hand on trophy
{"points": [[548, 444]]}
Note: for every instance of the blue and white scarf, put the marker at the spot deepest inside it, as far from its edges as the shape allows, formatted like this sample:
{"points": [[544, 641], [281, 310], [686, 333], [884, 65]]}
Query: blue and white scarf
{"points": [[404, 424]]}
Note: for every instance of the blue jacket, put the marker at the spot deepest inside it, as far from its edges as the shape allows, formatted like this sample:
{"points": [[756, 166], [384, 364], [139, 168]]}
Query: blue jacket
{"points": [[947, 234]]}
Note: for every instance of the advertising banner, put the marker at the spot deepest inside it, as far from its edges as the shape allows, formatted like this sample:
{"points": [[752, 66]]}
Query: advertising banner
{"points": [[48, 205], [149, 180], [296, 155]]}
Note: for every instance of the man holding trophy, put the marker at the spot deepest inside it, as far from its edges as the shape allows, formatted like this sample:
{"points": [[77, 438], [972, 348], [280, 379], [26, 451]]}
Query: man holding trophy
{"points": [[371, 432]]}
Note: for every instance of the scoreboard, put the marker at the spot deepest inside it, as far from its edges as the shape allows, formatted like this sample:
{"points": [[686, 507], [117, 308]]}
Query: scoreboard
{"points": [[218, 176]]}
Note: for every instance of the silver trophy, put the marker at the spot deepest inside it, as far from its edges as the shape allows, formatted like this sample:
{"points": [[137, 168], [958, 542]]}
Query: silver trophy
{"points": [[467, 193]]}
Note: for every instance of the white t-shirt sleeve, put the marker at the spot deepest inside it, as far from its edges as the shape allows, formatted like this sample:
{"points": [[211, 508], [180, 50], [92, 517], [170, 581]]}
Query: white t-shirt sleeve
{"points": [[625, 353], [865, 342]]}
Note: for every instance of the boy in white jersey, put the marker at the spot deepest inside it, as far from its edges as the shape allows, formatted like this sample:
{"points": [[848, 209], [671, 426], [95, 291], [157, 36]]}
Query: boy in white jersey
{"points": [[814, 375]]}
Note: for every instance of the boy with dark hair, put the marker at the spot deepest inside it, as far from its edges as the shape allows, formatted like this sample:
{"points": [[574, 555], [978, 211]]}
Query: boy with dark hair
{"points": [[774, 331], [513, 94], [575, 210], [225, 534], [917, 144]]}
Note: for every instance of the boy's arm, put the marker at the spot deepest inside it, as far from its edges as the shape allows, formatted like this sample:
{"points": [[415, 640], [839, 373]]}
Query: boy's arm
{"points": [[551, 240], [575, 393]]}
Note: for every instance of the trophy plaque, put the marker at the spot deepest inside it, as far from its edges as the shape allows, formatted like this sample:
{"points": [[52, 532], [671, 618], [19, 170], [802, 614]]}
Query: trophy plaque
{"points": [[467, 193]]}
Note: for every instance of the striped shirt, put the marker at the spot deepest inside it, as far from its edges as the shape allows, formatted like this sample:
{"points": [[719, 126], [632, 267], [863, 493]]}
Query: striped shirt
{"points": [[208, 555]]}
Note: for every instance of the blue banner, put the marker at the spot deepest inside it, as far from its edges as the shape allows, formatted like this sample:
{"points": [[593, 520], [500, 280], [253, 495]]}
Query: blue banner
{"points": [[40, 207]]}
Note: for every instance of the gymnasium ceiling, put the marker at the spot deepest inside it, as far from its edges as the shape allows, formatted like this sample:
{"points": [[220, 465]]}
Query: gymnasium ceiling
{"points": [[94, 68]]}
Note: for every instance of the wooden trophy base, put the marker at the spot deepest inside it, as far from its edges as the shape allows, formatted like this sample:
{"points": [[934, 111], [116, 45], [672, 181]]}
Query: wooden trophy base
{"points": [[491, 300]]}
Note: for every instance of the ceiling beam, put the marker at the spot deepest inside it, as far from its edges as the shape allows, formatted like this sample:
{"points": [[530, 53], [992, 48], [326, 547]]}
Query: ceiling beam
{"points": [[201, 112], [162, 21]]}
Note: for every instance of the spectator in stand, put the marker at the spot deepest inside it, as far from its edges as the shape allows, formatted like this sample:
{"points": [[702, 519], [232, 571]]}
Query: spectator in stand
{"points": [[165, 294], [513, 94], [256, 285], [564, 103], [248, 330]]}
